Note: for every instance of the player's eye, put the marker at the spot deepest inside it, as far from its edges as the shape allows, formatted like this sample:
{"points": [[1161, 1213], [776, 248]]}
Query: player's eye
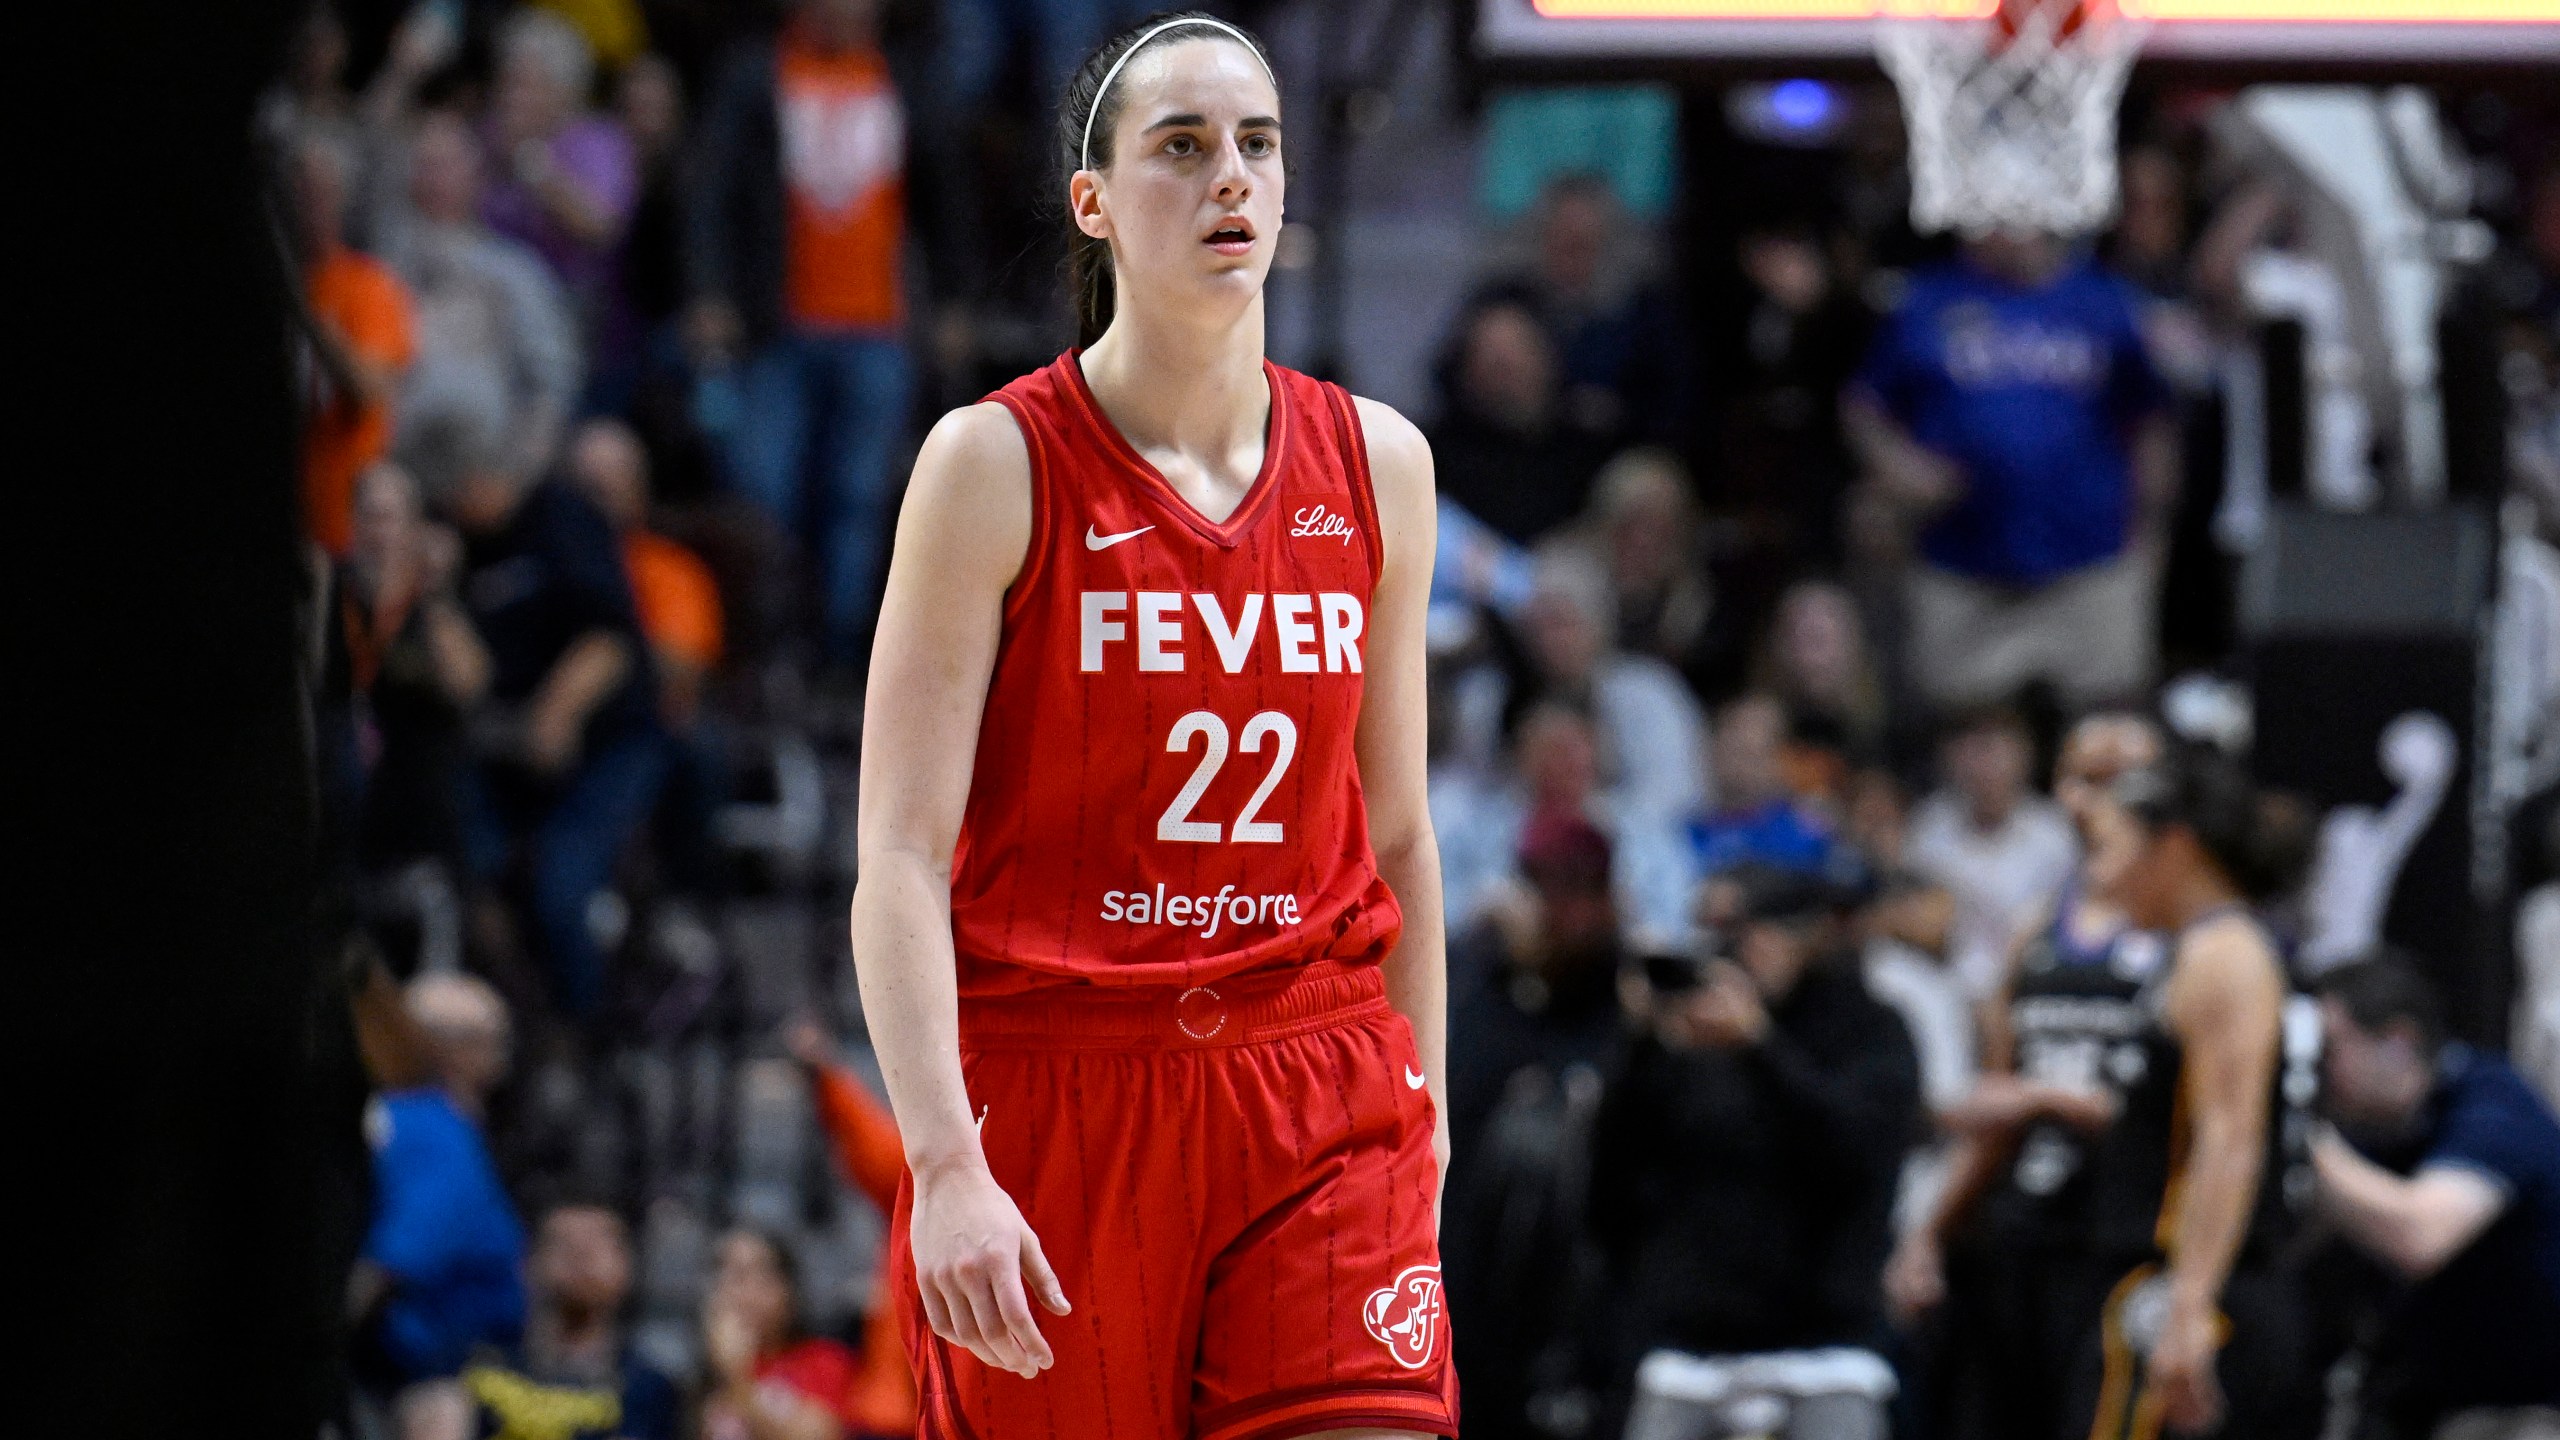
{"points": [[1260, 144], [1181, 145]]}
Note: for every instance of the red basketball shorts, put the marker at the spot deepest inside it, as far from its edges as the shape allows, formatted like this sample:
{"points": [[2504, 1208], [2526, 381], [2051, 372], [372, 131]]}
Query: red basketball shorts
{"points": [[1236, 1190]]}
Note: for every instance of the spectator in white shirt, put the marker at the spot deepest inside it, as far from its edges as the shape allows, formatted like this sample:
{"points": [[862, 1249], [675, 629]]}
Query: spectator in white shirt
{"points": [[1999, 849]]}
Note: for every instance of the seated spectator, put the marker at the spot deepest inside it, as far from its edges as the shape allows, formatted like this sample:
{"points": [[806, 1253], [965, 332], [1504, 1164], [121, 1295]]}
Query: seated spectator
{"points": [[2449, 1174], [2011, 412], [1817, 663], [574, 756], [1622, 363], [356, 321], [1744, 1160], [1649, 726], [798, 234], [410, 655], [767, 1376], [1757, 819], [1504, 446], [497, 368], [1999, 848], [864, 1136], [1645, 524], [1554, 772], [567, 176], [575, 1376], [1533, 1025], [438, 1276]]}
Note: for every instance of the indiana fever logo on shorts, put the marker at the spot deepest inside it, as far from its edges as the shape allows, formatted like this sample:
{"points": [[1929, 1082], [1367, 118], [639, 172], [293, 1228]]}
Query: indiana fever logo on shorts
{"points": [[1405, 1316]]}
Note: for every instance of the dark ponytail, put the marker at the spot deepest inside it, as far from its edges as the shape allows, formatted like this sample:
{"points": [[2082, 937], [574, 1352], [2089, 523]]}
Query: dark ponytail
{"points": [[2261, 840], [1084, 107]]}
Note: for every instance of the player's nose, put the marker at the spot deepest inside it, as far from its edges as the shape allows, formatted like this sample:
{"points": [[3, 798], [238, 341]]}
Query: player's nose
{"points": [[1233, 179]]}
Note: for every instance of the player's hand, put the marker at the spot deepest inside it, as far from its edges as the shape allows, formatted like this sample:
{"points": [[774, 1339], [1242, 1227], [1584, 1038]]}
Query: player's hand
{"points": [[1999, 1102], [1915, 1279], [2181, 1370], [973, 1254]]}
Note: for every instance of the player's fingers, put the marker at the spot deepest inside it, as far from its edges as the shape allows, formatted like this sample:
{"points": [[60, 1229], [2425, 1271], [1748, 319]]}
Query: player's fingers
{"points": [[965, 1330], [1015, 1307], [1043, 1280], [993, 1334], [937, 1311]]}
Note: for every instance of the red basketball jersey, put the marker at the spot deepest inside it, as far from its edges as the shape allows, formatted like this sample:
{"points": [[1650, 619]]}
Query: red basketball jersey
{"points": [[1166, 791]]}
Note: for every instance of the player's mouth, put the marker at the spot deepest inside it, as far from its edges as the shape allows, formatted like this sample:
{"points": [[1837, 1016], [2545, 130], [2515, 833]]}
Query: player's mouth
{"points": [[1232, 237]]}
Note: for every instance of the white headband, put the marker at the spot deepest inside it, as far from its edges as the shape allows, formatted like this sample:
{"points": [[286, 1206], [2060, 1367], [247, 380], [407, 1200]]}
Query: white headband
{"points": [[1084, 151]]}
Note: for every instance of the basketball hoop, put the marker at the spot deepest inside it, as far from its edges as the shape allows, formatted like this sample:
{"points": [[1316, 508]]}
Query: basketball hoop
{"points": [[2011, 113]]}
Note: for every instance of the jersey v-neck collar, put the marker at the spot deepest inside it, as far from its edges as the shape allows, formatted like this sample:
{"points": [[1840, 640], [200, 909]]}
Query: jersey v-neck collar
{"points": [[1257, 497]]}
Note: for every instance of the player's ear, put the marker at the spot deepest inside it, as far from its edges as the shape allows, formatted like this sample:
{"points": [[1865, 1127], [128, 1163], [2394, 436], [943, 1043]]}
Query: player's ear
{"points": [[1084, 204]]}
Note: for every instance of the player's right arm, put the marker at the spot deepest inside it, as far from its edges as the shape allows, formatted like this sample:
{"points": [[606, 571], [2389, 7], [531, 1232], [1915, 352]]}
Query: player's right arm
{"points": [[963, 533]]}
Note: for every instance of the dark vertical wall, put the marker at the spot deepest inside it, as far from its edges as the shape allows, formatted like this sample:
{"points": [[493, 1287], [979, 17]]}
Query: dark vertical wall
{"points": [[159, 971]]}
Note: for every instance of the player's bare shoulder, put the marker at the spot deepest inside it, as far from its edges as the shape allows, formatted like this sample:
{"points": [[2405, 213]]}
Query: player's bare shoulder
{"points": [[1400, 474], [969, 505]]}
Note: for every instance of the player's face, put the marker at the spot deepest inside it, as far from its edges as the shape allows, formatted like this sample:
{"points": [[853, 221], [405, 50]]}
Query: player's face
{"points": [[1191, 197], [2124, 858], [2094, 755]]}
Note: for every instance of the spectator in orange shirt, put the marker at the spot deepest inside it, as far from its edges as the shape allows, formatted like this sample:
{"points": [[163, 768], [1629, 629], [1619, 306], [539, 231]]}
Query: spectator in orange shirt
{"points": [[794, 253], [355, 318], [864, 1136]]}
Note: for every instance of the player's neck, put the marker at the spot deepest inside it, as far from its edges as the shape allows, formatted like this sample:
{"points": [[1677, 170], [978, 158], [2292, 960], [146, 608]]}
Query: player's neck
{"points": [[1186, 388]]}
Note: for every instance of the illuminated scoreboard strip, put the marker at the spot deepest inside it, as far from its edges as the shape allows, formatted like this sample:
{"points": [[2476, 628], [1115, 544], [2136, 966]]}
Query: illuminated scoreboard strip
{"points": [[2385, 31]]}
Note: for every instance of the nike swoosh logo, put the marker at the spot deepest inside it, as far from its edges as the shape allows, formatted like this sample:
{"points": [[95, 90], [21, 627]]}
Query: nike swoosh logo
{"points": [[1094, 540], [1413, 1079]]}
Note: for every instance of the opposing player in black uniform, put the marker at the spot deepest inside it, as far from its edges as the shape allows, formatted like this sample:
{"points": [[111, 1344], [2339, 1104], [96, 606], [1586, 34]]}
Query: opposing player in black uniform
{"points": [[2011, 1246], [2204, 1333], [2114, 1210]]}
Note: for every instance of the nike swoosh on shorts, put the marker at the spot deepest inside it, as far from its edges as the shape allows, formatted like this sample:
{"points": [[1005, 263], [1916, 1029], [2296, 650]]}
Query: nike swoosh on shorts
{"points": [[1413, 1079], [1093, 540]]}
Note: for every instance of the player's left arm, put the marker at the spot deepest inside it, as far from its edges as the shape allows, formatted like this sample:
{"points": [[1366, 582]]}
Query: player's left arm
{"points": [[2223, 1004], [1393, 741]]}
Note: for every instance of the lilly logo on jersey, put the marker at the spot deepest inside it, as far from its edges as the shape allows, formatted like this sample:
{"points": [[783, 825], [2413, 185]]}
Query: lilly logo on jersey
{"points": [[1154, 907], [1405, 1316], [1317, 522]]}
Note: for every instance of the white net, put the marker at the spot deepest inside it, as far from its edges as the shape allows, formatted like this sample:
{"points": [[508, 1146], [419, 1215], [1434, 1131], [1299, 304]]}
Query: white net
{"points": [[2012, 115]]}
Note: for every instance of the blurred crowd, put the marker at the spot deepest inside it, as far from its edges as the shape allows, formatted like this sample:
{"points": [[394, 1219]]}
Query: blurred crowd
{"points": [[1782, 559]]}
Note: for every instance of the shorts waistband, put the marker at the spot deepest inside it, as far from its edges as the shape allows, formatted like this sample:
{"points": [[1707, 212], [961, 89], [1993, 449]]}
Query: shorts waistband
{"points": [[1247, 1010]]}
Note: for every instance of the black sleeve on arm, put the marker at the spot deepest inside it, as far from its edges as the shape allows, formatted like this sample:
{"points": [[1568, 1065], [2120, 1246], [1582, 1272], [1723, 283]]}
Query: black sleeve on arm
{"points": [[589, 558], [1858, 1107]]}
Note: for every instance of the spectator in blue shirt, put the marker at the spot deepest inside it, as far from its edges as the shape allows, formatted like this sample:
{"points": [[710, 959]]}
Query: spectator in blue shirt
{"points": [[1756, 820], [2449, 1174], [438, 1276], [2008, 409]]}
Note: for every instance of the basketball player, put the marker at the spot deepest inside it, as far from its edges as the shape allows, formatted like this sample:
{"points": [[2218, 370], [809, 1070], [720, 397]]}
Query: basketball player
{"points": [[2203, 1333], [1148, 927], [2114, 1204], [2016, 1223]]}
